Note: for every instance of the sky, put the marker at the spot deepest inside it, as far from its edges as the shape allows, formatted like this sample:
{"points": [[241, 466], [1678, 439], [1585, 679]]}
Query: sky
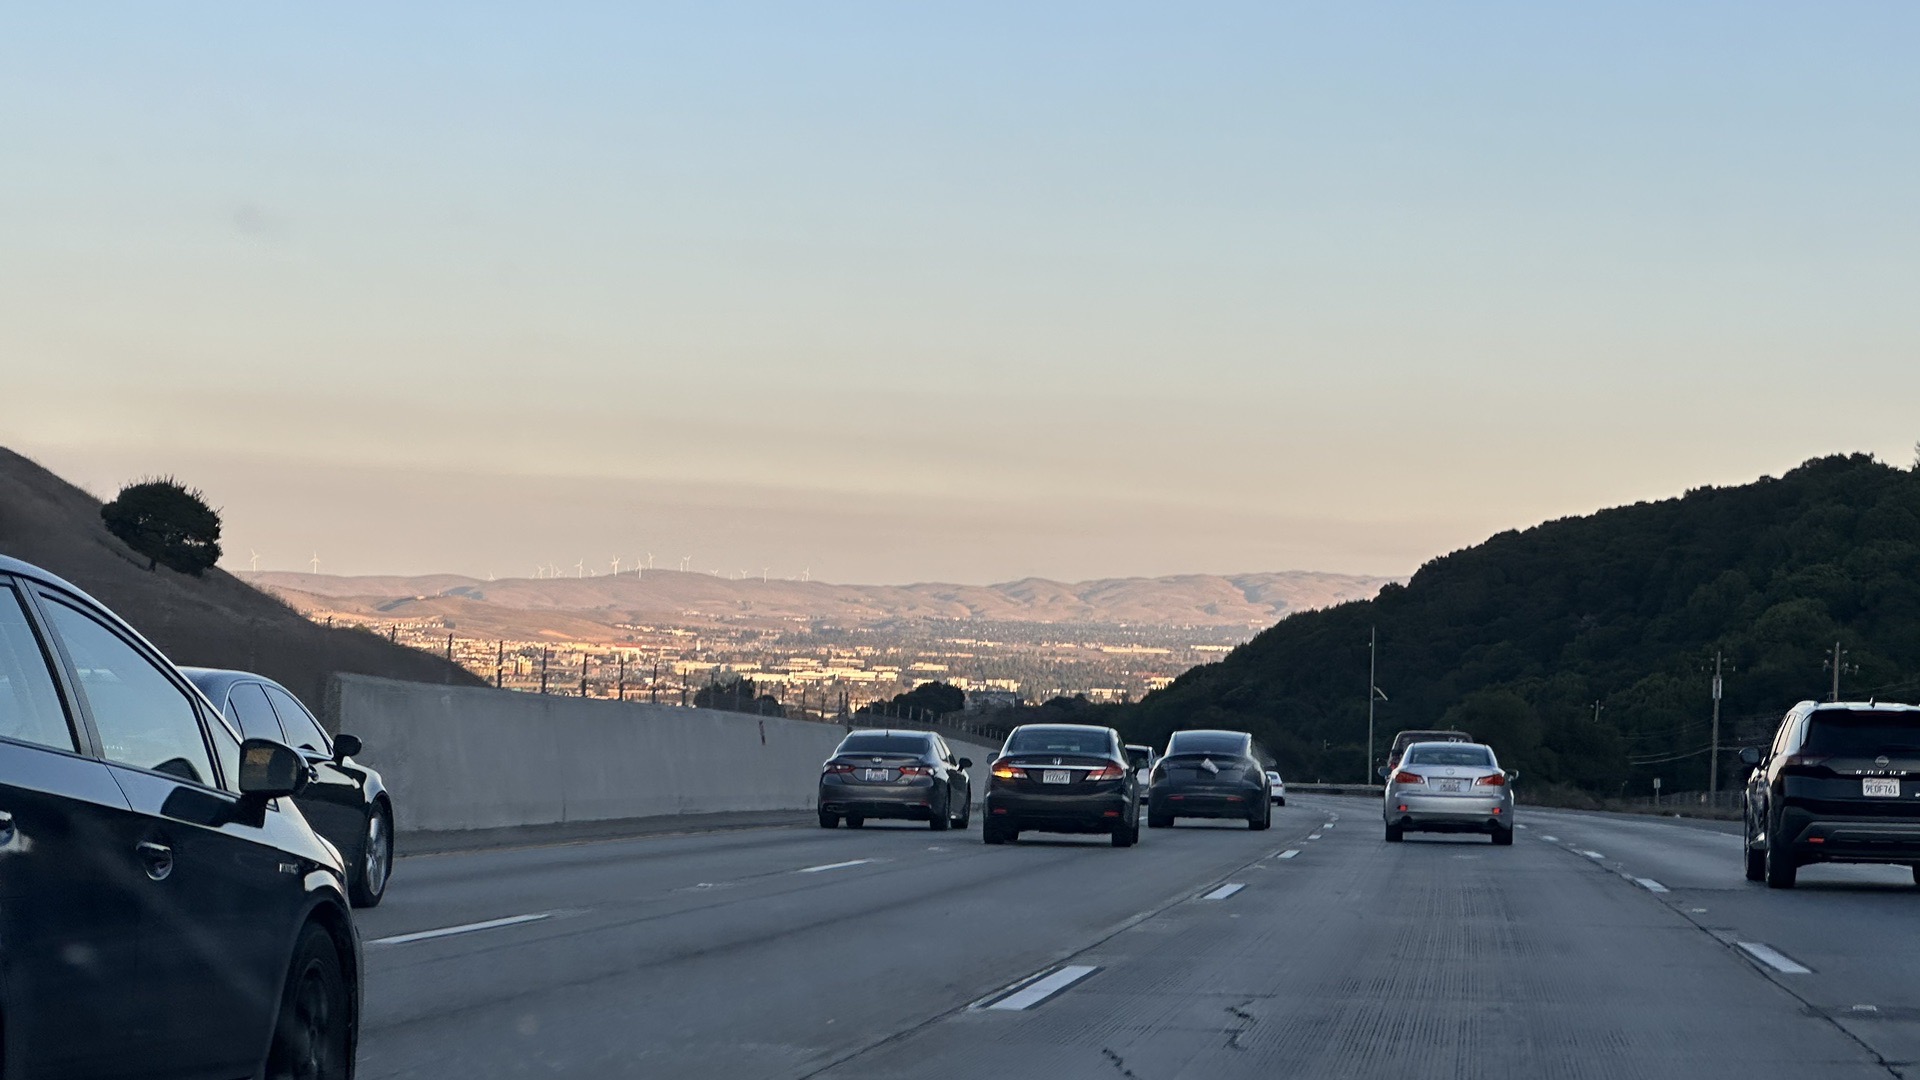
{"points": [[968, 291]]}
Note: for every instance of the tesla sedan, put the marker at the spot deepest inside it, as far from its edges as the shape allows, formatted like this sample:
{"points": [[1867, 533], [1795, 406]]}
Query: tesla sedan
{"points": [[1210, 774]]}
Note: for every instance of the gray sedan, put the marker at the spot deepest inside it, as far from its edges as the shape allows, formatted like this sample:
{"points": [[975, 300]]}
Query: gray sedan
{"points": [[1449, 787]]}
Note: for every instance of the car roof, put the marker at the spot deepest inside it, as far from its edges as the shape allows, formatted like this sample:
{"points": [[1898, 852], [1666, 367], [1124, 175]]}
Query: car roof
{"points": [[1450, 743], [887, 731], [214, 682], [1862, 706], [1062, 727], [1210, 731]]}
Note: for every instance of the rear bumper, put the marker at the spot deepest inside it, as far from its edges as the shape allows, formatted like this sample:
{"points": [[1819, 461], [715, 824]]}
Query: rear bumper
{"points": [[1449, 813], [1079, 813], [911, 800], [1200, 802], [1852, 839]]}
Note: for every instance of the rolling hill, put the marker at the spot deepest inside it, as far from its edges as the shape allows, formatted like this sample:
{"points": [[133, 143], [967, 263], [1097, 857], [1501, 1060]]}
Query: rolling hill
{"points": [[215, 620], [1582, 648]]}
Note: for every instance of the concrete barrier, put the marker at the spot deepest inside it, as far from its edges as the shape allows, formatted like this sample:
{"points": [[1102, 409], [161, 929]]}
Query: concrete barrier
{"points": [[459, 758]]}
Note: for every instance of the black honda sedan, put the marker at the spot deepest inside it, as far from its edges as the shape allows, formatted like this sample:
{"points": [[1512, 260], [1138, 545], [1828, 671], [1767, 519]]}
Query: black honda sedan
{"points": [[1210, 774], [165, 910], [1066, 778], [909, 775], [346, 801]]}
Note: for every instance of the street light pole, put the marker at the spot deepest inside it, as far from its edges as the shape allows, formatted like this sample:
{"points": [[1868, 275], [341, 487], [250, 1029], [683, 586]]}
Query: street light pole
{"points": [[1713, 766], [1373, 640]]}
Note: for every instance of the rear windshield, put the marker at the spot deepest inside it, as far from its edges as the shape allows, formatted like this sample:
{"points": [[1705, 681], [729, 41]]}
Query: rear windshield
{"points": [[1208, 742], [1039, 740], [1139, 756], [1462, 754], [884, 744], [1408, 738], [1862, 733]]}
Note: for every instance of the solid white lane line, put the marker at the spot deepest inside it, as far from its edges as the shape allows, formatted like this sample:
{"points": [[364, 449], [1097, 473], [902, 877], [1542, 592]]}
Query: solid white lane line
{"points": [[1224, 891], [1041, 989], [1592, 854], [1649, 884], [464, 928], [832, 866], [1773, 958], [1550, 839], [1288, 854]]}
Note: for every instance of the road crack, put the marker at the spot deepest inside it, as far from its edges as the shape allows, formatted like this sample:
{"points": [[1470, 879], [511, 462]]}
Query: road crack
{"points": [[1239, 1012], [1119, 1063]]}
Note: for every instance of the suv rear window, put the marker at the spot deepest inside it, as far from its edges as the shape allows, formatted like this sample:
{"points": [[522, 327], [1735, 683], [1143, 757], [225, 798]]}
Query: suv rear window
{"points": [[1460, 754], [884, 744], [1862, 733], [1040, 740], [1207, 742]]}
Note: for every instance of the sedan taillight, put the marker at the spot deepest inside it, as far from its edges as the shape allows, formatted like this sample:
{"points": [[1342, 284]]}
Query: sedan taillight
{"points": [[835, 768], [1404, 777], [1498, 779], [1110, 772], [916, 770], [1008, 772]]}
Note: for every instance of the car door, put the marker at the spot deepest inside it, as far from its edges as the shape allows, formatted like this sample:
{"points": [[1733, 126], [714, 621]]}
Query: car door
{"points": [[216, 900], [69, 879], [335, 802]]}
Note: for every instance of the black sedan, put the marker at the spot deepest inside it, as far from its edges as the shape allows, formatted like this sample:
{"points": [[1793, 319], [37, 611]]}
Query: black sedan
{"points": [[896, 774], [164, 909], [346, 802], [1066, 778], [1210, 774]]}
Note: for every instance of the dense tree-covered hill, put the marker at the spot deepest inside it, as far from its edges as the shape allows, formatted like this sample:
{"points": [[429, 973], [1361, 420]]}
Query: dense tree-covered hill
{"points": [[1518, 638]]}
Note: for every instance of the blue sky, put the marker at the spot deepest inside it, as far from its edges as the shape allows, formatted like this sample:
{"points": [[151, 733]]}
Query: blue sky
{"points": [[964, 291]]}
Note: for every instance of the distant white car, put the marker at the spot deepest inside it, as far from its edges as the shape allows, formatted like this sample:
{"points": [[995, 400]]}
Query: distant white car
{"points": [[1142, 759], [1276, 788]]}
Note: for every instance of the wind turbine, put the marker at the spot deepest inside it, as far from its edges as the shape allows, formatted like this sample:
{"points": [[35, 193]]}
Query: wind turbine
{"points": [[763, 574], [316, 562], [684, 560], [580, 569], [807, 574], [616, 566], [254, 565], [649, 560]]}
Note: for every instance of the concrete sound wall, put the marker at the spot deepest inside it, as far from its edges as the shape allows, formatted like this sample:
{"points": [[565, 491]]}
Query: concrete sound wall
{"points": [[476, 758]]}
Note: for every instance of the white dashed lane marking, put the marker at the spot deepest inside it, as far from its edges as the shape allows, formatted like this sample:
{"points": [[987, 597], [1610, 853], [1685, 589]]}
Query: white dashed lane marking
{"points": [[1649, 884], [463, 928], [1288, 854], [1773, 958], [1034, 991], [832, 866], [1224, 891]]}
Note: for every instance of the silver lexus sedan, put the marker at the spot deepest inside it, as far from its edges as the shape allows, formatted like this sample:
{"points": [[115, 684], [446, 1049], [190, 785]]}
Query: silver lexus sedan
{"points": [[1449, 787]]}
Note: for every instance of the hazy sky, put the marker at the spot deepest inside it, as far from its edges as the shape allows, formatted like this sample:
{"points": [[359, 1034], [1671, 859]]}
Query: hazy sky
{"points": [[969, 291]]}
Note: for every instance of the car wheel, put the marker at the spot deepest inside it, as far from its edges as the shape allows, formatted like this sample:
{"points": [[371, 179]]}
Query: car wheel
{"points": [[1159, 821], [369, 879], [1756, 858], [1502, 836], [854, 821], [1281, 801], [1265, 820], [1125, 835], [1395, 834], [939, 818], [966, 813], [1916, 875], [310, 1036], [829, 821], [1780, 867]]}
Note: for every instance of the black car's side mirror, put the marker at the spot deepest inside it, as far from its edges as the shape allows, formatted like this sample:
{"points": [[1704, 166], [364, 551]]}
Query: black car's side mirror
{"points": [[346, 746], [269, 769], [1749, 756], [1383, 771], [1513, 776], [966, 763]]}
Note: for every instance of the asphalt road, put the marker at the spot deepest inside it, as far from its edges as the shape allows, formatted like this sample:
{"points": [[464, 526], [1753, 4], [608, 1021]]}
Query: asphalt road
{"points": [[1596, 946]]}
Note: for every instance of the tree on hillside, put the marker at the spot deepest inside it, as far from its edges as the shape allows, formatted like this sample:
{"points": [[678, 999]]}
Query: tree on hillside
{"points": [[738, 695], [923, 702], [168, 523]]}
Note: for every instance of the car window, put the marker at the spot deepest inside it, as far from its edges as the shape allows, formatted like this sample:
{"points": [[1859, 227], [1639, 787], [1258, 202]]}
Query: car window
{"points": [[247, 706], [1862, 733], [30, 708], [143, 717], [226, 750], [1139, 758], [1207, 742], [883, 744], [303, 731], [1449, 755], [1041, 740]]}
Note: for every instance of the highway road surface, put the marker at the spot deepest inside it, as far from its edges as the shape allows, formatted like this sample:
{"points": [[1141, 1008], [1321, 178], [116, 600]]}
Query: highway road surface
{"points": [[1596, 946]]}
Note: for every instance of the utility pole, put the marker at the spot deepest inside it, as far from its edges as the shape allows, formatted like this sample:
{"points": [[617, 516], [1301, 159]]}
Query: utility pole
{"points": [[1373, 642], [499, 662], [1838, 655], [653, 684], [622, 693], [449, 648], [1713, 760], [544, 649]]}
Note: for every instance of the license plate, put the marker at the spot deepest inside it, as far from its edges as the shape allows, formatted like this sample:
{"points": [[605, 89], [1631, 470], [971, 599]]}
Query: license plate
{"points": [[1056, 776], [874, 774], [1452, 785], [1876, 787]]}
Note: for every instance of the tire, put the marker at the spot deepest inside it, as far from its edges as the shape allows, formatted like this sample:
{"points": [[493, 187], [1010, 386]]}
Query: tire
{"points": [[854, 821], [310, 1036], [1264, 821], [368, 882], [991, 834], [1159, 821], [1395, 834], [829, 821], [1281, 801], [939, 818], [1779, 868], [966, 813], [1757, 859], [1125, 835], [1502, 837], [1916, 874]]}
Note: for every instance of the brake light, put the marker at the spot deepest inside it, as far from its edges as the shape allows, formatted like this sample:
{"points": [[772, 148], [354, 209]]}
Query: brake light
{"points": [[1498, 779], [916, 770], [1008, 772], [836, 768], [1404, 777], [1110, 772]]}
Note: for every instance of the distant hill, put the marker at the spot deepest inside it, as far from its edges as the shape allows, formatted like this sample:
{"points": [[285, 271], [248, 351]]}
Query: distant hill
{"points": [[1518, 638], [213, 621], [586, 608]]}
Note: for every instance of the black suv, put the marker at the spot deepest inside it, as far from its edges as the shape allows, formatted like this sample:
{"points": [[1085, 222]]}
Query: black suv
{"points": [[164, 908], [1841, 783]]}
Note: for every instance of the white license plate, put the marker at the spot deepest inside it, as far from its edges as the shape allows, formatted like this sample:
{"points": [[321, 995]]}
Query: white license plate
{"points": [[1056, 776], [1880, 787], [874, 774], [1452, 785]]}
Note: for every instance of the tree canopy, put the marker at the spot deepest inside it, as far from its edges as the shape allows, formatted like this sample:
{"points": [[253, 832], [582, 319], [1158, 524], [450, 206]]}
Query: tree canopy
{"points": [[1582, 649], [166, 521]]}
